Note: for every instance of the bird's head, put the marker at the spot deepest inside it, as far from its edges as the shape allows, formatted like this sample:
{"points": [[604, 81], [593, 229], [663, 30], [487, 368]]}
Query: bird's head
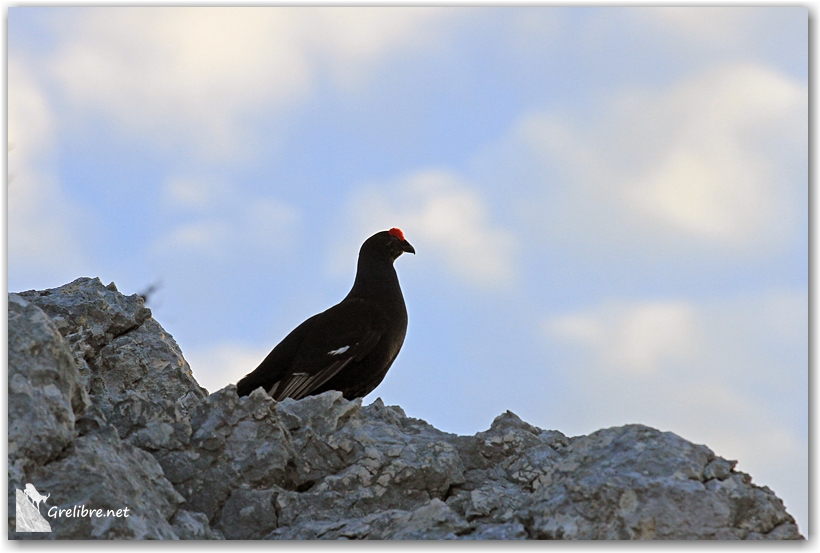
{"points": [[387, 243]]}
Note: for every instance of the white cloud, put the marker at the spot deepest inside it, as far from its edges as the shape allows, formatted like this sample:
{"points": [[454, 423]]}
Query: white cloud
{"points": [[444, 217], [223, 364], [718, 161], [30, 125], [43, 223], [205, 236], [193, 194], [352, 40], [270, 223], [732, 374], [206, 74], [713, 24], [219, 220], [713, 181], [633, 339]]}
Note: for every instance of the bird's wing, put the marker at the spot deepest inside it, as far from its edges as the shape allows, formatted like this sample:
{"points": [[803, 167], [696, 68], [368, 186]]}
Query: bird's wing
{"points": [[344, 333], [298, 385], [276, 365]]}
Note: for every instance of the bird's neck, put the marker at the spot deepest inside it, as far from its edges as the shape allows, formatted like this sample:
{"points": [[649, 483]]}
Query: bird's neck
{"points": [[376, 278]]}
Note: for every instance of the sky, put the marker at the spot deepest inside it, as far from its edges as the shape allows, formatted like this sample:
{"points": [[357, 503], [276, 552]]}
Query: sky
{"points": [[609, 205]]}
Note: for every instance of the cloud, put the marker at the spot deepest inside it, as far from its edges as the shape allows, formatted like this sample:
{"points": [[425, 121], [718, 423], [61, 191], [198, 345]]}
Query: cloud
{"points": [[43, 223], [632, 339], [206, 74], [30, 119], [732, 374], [717, 161], [214, 218], [740, 343], [206, 236], [443, 217], [352, 41], [720, 25], [223, 364], [193, 194]]}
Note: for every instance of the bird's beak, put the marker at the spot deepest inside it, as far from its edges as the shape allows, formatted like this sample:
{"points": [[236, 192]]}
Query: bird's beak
{"points": [[406, 247]]}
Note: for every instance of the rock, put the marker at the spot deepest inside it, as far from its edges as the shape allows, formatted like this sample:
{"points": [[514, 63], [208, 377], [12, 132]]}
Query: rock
{"points": [[46, 394], [89, 316], [635, 482], [234, 443], [249, 514], [99, 471], [45, 390], [104, 413], [194, 526], [117, 345], [60, 439]]}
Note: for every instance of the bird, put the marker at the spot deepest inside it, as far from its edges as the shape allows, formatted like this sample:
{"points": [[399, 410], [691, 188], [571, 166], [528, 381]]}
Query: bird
{"points": [[350, 346]]}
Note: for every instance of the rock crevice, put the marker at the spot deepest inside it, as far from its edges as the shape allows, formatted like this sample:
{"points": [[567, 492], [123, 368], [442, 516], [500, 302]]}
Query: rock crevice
{"points": [[104, 412]]}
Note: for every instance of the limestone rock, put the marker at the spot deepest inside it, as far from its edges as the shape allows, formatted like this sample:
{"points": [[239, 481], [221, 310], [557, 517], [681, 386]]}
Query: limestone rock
{"points": [[45, 392], [634, 482], [194, 526], [99, 471], [60, 439], [105, 413], [117, 345], [234, 443]]}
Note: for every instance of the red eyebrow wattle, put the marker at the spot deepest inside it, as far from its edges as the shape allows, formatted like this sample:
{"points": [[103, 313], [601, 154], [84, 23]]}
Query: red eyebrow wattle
{"points": [[396, 232]]}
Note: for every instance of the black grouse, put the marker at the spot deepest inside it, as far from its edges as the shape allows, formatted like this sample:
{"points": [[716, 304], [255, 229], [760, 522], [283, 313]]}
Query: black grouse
{"points": [[350, 346]]}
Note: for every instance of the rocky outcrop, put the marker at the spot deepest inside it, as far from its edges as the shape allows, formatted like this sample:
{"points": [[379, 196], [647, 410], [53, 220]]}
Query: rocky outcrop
{"points": [[104, 413]]}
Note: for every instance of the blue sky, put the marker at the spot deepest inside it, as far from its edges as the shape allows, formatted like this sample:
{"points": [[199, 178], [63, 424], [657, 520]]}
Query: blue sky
{"points": [[609, 205]]}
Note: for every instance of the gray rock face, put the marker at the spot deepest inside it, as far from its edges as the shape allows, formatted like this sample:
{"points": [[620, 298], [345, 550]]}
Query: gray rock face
{"points": [[119, 349], [45, 390], [104, 413]]}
